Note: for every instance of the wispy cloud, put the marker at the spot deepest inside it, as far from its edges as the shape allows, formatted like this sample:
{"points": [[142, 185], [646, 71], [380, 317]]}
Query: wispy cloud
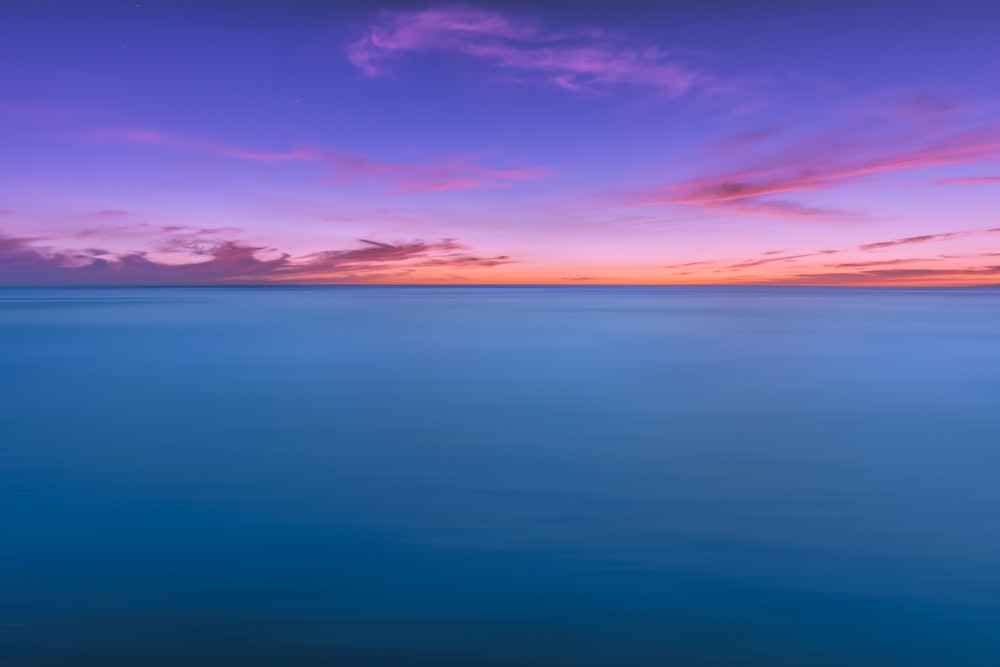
{"points": [[970, 276], [917, 134], [374, 214], [790, 269], [688, 265], [456, 172], [110, 213], [750, 263], [581, 59], [146, 232], [971, 180], [882, 262], [148, 137], [25, 261], [924, 238]]}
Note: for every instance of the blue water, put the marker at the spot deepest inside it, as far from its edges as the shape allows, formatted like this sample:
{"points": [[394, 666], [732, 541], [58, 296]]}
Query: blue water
{"points": [[381, 476]]}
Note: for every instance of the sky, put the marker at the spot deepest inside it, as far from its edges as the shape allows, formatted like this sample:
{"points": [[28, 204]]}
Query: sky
{"points": [[159, 142]]}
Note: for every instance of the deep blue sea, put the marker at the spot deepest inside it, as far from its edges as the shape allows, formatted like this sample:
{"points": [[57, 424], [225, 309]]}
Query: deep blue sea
{"points": [[491, 476]]}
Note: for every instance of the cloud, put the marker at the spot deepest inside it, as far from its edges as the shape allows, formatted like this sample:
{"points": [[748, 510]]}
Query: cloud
{"points": [[971, 256], [924, 238], [687, 265], [746, 264], [142, 230], [147, 137], [24, 262], [457, 172], [865, 271], [583, 59], [884, 262], [775, 208], [916, 134], [971, 180], [915, 277], [374, 214]]}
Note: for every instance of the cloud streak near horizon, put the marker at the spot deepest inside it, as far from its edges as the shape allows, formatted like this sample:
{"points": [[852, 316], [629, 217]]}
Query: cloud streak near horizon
{"points": [[789, 269], [24, 261]]}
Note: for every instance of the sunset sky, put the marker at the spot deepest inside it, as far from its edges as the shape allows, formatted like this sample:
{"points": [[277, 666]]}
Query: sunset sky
{"points": [[733, 142]]}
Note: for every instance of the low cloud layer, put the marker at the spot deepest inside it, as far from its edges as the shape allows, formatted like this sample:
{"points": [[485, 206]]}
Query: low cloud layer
{"points": [[985, 275], [28, 261], [789, 269]]}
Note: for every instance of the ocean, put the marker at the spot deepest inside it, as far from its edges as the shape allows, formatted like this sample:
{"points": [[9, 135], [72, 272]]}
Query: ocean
{"points": [[501, 476]]}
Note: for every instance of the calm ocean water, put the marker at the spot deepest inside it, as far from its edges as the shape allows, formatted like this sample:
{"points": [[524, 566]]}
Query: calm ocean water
{"points": [[381, 476]]}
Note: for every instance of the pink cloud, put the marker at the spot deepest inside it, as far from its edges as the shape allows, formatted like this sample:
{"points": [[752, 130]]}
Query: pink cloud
{"points": [[687, 265], [580, 59], [454, 173], [375, 214], [983, 275], [749, 263], [924, 238], [867, 270], [223, 261], [971, 180], [884, 262], [144, 230], [917, 135]]}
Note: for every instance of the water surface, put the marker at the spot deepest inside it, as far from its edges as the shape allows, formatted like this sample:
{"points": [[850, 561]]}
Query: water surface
{"points": [[381, 476]]}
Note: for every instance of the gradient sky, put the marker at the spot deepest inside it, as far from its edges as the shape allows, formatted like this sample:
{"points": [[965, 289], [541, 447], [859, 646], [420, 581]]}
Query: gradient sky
{"points": [[724, 141]]}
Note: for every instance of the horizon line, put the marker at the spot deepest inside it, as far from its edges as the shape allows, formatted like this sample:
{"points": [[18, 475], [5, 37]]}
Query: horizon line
{"points": [[569, 285]]}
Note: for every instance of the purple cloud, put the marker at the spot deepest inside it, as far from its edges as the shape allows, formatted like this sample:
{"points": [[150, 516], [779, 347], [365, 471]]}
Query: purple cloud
{"points": [[24, 262], [746, 264], [176, 235], [867, 269], [914, 135], [924, 238], [945, 277], [583, 59], [971, 180], [374, 214], [457, 172], [884, 262], [687, 265]]}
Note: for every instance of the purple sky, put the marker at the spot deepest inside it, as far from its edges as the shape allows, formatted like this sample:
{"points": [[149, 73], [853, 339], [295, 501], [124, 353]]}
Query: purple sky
{"points": [[158, 142]]}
